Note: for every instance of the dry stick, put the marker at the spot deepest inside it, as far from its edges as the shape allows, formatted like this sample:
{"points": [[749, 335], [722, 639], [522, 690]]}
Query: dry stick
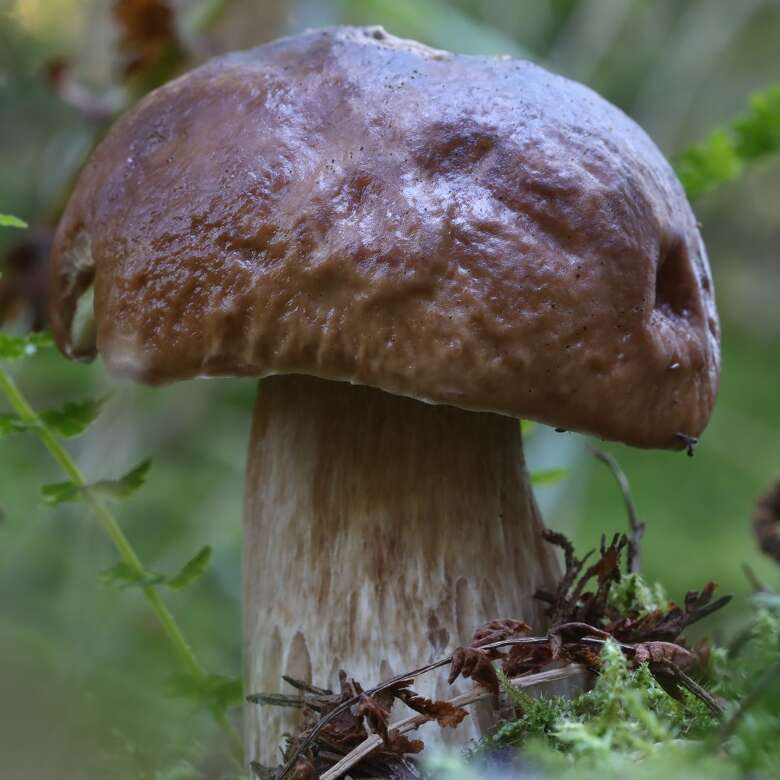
{"points": [[707, 610], [414, 721], [394, 682], [635, 525], [687, 682], [374, 741], [391, 683], [306, 687], [753, 580], [277, 700]]}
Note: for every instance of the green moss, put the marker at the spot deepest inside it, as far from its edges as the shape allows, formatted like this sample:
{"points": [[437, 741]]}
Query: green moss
{"points": [[633, 594], [629, 726]]}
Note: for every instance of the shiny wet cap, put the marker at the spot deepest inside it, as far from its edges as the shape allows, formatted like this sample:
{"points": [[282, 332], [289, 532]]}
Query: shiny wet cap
{"points": [[471, 231]]}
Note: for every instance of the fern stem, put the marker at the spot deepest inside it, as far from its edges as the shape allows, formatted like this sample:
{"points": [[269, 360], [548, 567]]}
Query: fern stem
{"points": [[127, 553]]}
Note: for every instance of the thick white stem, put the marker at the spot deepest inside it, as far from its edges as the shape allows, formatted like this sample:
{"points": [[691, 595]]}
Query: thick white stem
{"points": [[379, 532]]}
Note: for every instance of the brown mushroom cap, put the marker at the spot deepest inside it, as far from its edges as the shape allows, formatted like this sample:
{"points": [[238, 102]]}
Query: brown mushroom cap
{"points": [[463, 230]]}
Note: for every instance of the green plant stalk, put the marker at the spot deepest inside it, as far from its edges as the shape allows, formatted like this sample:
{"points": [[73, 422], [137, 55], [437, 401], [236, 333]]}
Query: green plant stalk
{"points": [[105, 517]]}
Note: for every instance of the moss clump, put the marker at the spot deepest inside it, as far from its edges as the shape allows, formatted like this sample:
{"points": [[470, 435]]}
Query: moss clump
{"points": [[633, 595], [625, 711], [628, 726]]}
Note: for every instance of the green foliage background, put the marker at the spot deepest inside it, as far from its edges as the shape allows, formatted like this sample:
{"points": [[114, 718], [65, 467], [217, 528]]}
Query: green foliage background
{"points": [[84, 672]]}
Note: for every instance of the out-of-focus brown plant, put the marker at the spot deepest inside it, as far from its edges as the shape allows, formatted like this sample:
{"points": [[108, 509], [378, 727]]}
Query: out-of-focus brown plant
{"points": [[149, 45], [151, 50]]}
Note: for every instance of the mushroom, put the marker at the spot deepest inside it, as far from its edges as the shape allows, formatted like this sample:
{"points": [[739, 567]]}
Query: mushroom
{"points": [[415, 248]]}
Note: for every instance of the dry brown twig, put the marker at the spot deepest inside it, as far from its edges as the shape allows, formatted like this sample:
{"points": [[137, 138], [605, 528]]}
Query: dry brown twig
{"points": [[681, 679], [756, 585], [393, 682], [415, 721], [636, 528], [659, 654]]}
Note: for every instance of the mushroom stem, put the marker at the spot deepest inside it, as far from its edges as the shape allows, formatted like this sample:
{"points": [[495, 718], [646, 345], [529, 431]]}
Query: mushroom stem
{"points": [[379, 533]]}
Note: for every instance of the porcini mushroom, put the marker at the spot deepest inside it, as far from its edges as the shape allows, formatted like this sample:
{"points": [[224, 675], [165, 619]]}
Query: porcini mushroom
{"points": [[417, 248]]}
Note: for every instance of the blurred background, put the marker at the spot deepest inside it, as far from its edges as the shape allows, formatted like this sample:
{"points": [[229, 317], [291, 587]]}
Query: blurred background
{"points": [[83, 667]]}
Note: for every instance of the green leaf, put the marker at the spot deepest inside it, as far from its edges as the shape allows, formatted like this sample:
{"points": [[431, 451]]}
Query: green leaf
{"points": [[16, 347], [61, 492], [8, 220], [115, 489], [73, 418], [70, 420], [12, 423], [213, 691], [758, 132], [123, 576], [545, 477], [125, 486], [703, 167], [190, 572], [722, 156]]}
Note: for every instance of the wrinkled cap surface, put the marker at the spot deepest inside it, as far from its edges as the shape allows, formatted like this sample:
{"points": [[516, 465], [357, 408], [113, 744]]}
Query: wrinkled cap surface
{"points": [[464, 230]]}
